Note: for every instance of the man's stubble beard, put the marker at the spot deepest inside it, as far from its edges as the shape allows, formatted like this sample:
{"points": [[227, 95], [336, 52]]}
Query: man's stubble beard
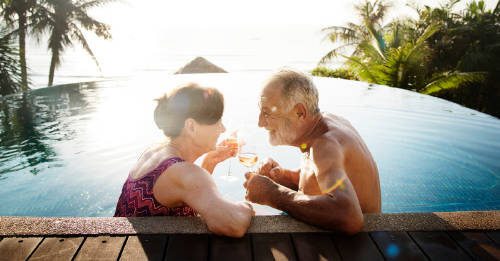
{"points": [[285, 134]]}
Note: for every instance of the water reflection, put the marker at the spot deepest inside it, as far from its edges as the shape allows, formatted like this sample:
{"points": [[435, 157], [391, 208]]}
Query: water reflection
{"points": [[31, 121]]}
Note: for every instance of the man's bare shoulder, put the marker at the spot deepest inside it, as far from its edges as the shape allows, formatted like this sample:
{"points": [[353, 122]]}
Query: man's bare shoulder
{"points": [[327, 152]]}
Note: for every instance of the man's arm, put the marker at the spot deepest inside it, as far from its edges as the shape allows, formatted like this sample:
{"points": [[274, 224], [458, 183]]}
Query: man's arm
{"points": [[336, 208], [188, 184], [286, 177]]}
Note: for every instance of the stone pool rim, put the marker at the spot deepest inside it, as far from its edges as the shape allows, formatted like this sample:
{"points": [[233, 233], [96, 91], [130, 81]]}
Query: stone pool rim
{"points": [[427, 221]]}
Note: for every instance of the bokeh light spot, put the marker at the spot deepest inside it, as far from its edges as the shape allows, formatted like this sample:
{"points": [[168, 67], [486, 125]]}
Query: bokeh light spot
{"points": [[392, 251]]}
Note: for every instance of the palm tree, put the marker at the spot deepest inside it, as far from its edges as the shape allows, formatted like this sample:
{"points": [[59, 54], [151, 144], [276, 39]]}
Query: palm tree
{"points": [[351, 36], [20, 9], [10, 75], [65, 20]]}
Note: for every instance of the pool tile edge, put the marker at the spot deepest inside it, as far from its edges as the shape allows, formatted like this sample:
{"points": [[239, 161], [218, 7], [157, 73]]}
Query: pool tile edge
{"points": [[432, 221]]}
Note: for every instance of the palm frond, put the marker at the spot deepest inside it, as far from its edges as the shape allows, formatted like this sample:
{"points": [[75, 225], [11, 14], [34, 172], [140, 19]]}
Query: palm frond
{"points": [[452, 80], [333, 53], [100, 29], [85, 5], [361, 69], [78, 35], [10, 73], [339, 33], [372, 52]]}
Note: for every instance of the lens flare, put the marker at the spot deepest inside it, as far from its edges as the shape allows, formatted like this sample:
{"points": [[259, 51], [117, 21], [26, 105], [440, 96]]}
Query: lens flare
{"points": [[392, 251], [339, 183], [303, 146], [207, 93]]}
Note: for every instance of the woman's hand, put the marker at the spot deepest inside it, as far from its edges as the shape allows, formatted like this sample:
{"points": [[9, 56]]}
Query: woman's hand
{"points": [[222, 152]]}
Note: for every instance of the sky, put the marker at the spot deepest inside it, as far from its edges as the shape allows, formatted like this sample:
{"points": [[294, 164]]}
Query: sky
{"points": [[163, 35], [140, 13]]}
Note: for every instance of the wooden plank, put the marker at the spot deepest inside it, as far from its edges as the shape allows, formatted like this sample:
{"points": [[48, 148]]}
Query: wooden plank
{"points": [[57, 248], [15, 248], [102, 248], [275, 246], [144, 247], [357, 247], [227, 248], [494, 236], [187, 247], [397, 246], [314, 246], [477, 244], [439, 246]]}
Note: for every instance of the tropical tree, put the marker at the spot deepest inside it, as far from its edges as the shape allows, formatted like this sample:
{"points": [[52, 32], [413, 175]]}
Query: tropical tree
{"points": [[468, 42], [350, 37], [20, 9], [10, 75], [65, 20], [396, 54]]}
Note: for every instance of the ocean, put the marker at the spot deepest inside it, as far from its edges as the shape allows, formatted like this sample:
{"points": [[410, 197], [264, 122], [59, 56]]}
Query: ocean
{"points": [[234, 48]]}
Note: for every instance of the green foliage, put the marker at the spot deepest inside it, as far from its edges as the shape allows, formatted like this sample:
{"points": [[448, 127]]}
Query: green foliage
{"points": [[446, 81], [10, 75], [19, 12], [336, 73], [65, 21], [440, 51]]}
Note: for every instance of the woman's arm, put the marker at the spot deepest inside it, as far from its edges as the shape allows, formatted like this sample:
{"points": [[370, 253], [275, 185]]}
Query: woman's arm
{"points": [[221, 153], [187, 184]]}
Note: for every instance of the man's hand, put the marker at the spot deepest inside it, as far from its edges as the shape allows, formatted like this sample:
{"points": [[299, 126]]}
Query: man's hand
{"points": [[266, 166], [274, 171], [259, 188]]}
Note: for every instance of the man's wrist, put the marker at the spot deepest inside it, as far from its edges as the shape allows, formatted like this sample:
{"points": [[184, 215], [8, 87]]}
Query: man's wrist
{"points": [[280, 197]]}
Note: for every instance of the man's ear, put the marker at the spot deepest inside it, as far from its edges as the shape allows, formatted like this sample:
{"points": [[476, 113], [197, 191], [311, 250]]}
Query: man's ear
{"points": [[300, 111]]}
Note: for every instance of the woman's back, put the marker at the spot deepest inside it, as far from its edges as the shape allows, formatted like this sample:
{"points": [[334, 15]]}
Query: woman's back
{"points": [[137, 197]]}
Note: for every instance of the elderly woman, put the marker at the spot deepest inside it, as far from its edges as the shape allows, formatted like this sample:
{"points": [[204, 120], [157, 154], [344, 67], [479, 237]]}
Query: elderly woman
{"points": [[166, 182]]}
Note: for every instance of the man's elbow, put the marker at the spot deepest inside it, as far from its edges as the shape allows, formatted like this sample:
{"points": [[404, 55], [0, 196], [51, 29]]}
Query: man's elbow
{"points": [[353, 225], [349, 222]]}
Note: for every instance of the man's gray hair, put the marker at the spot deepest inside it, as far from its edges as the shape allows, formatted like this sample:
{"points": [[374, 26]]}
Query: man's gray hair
{"points": [[297, 87]]}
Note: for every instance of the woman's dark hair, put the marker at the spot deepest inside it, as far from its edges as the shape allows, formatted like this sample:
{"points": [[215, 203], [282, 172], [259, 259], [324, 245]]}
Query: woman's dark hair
{"points": [[204, 105]]}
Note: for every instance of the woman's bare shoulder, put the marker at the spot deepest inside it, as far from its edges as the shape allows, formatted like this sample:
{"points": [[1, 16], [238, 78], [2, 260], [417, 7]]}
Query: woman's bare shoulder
{"points": [[147, 161]]}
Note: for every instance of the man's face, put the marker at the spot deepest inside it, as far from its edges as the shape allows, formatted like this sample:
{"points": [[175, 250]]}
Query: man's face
{"points": [[274, 119]]}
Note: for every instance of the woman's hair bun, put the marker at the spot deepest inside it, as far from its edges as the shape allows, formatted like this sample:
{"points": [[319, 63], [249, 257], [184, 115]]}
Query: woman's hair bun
{"points": [[204, 105]]}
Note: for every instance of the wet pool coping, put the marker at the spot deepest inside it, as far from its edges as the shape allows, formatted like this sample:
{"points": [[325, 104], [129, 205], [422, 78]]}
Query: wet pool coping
{"points": [[431, 221]]}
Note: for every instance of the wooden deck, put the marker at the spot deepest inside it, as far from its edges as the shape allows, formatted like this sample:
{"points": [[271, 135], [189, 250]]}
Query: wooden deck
{"points": [[436, 245], [406, 236]]}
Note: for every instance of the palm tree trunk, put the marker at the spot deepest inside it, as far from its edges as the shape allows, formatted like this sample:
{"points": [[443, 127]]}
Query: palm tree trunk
{"points": [[22, 51], [52, 68]]}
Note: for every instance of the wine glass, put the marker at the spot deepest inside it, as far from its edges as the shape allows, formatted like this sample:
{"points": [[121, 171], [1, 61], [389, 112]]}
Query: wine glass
{"points": [[247, 156], [232, 140]]}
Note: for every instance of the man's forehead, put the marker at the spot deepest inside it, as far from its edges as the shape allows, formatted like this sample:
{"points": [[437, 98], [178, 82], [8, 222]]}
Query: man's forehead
{"points": [[271, 94]]}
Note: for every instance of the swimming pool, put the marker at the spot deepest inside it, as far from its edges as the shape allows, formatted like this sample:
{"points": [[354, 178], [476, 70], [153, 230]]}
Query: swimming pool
{"points": [[66, 150]]}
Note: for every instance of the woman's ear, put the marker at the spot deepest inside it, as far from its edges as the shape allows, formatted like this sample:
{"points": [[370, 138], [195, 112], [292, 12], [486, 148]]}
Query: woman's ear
{"points": [[190, 126]]}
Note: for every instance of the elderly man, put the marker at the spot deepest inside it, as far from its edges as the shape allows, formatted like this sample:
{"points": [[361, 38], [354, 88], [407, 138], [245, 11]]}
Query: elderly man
{"points": [[338, 180]]}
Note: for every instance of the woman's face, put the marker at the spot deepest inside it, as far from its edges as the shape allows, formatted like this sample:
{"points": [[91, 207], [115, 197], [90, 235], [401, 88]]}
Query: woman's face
{"points": [[207, 135]]}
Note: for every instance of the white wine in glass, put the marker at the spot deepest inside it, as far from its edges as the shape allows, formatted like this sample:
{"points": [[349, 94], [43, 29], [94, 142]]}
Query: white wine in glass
{"points": [[248, 159], [247, 156]]}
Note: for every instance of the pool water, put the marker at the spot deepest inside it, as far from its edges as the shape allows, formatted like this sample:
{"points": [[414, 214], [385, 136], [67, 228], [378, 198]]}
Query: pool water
{"points": [[66, 150]]}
